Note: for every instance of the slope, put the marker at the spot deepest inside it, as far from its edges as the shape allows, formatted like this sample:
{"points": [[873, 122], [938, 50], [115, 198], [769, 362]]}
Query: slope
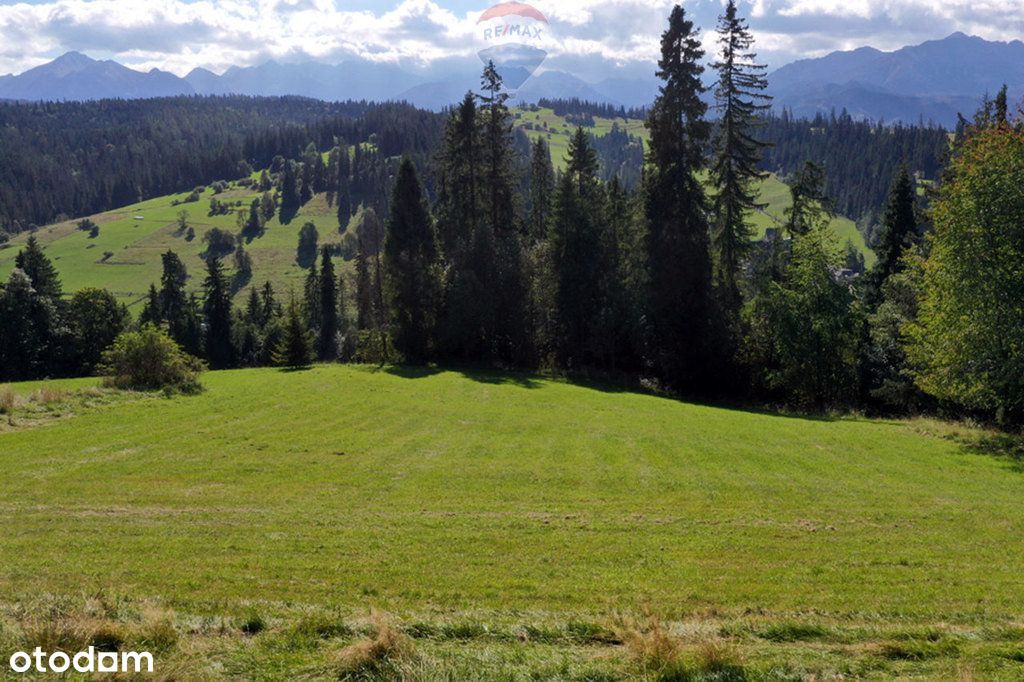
{"points": [[487, 511]]}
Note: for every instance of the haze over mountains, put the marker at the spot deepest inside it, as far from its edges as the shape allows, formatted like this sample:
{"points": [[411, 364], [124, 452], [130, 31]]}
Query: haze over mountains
{"points": [[932, 81]]}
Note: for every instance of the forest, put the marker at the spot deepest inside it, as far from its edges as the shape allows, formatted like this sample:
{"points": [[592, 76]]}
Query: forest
{"points": [[472, 249]]}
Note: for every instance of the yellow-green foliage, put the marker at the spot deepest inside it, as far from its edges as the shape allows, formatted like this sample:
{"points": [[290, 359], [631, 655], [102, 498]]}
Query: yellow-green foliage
{"points": [[967, 345]]}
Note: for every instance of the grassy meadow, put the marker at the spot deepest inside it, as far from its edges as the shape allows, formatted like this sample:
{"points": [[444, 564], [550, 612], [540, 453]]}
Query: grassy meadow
{"points": [[385, 522], [135, 237]]}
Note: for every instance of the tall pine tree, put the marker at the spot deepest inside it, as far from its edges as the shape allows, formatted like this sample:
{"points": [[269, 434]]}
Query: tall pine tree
{"points": [[898, 232], [577, 256], [327, 335], [740, 100], [678, 257], [411, 273], [220, 350]]}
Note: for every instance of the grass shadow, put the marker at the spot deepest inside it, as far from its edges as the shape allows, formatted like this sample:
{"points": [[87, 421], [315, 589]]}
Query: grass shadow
{"points": [[1007, 447], [478, 374]]}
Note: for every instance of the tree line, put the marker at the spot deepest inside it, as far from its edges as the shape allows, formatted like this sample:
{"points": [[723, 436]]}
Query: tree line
{"points": [[79, 158], [510, 263]]}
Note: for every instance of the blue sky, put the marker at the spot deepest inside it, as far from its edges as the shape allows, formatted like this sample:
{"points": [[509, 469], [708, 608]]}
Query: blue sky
{"points": [[592, 38]]}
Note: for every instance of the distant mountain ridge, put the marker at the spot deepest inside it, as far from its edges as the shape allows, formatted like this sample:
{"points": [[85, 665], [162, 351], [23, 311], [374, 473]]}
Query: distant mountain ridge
{"points": [[75, 76], [932, 81]]}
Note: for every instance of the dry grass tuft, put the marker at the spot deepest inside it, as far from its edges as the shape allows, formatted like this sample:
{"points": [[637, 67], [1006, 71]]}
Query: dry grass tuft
{"points": [[720, 658], [650, 644], [73, 633], [8, 401], [378, 655], [49, 396], [157, 633]]}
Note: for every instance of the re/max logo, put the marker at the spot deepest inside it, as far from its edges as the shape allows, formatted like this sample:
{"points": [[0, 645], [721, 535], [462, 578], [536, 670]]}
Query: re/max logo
{"points": [[508, 30]]}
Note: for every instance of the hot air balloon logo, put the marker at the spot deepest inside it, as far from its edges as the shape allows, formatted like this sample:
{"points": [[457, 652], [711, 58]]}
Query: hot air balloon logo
{"points": [[513, 36]]}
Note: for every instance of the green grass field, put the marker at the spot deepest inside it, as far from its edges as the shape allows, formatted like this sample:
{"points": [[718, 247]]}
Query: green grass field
{"points": [[137, 235], [510, 527]]}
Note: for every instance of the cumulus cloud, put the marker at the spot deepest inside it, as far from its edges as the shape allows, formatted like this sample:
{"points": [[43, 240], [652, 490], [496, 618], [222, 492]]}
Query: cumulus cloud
{"points": [[595, 35]]}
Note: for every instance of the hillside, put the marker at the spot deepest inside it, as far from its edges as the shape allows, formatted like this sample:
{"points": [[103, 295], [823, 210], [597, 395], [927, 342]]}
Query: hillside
{"points": [[510, 524], [135, 236]]}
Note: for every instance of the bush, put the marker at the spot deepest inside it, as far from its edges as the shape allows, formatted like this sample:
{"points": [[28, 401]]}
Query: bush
{"points": [[219, 243], [150, 360]]}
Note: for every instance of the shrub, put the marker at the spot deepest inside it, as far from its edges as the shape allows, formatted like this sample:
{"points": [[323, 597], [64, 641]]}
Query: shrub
{"points": [[219, 243], [150, 360]]}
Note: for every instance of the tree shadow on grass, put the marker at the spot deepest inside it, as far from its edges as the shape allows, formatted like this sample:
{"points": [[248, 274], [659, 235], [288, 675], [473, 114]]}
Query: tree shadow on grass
{"points": [[295, 370], [1007, 447], [619, 383], [480, 375]]}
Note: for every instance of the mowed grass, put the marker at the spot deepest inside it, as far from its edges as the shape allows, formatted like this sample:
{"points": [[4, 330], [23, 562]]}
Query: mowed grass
{"points": [[500, 518], [136, 236]]}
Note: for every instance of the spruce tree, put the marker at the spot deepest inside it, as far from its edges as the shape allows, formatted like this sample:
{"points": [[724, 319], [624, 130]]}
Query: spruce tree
{"points": [[507, 333], [327, 335], [40, 270], [295, 347], [174, 304], [370, 237], [467, 242], [411, 272], [151, 310], [678, 257], [27, 322], [306, 251], [577, 258], [542, 189], [898, 232], [809, 206], [220, 351], [343, 191], [740, 101], [290, 200], [311, 298], [268, 304]]}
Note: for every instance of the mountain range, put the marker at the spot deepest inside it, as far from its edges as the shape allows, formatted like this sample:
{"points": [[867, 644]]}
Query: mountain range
{"points": [[932, 81]]}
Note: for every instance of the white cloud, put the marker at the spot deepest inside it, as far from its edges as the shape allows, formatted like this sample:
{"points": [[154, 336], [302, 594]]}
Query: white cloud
{"points": [[177, 35]]}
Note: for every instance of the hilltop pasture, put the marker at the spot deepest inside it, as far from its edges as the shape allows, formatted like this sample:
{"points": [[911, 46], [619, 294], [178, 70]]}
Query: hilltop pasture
{"points": [[507, 525]]}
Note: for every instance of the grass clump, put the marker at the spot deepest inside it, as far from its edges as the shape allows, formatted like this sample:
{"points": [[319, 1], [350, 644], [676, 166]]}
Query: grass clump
{"points": [[8, 404], [579, 632], [794, 632], [319, 626], [253, 624], [919, 649], [73, 633], [653, 649], [157, 633], [380, 655]]}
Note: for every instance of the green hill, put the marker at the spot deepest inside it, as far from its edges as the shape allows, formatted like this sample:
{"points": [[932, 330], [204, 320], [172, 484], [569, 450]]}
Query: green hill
{"points": [[511, 525], [125, 257]]}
